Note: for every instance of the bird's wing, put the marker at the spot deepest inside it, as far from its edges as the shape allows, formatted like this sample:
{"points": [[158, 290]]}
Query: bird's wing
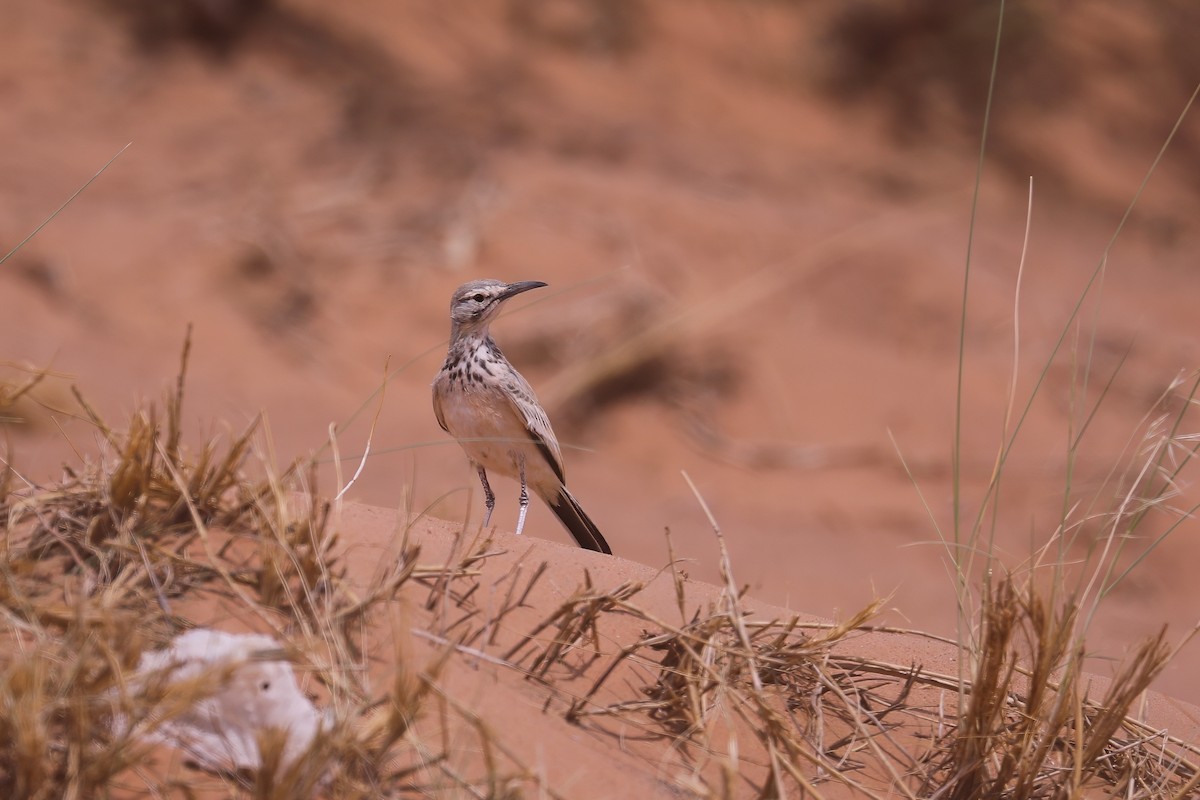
{"points": [[523, 401]]}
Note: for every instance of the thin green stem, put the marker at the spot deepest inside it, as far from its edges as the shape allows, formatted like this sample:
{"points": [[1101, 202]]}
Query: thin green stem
{"points": [[962, 573], [962, 327], [66, 203], [1075, 310]]}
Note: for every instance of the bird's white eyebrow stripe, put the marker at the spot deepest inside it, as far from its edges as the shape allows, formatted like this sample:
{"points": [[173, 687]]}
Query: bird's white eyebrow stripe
{"points": [[481, 399]]}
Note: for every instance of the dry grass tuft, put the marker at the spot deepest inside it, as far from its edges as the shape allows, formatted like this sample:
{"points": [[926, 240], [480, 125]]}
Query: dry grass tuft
{"points": [[773, 707], [112, 560], [1033, 728], [784, 711], [116, 558]]}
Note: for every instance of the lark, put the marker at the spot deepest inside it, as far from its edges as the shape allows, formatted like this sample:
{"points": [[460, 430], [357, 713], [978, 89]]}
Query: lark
{"points": [[484, 403]]}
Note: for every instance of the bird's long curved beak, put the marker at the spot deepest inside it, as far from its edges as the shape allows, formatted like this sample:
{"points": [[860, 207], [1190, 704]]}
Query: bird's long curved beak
{"points": [[520, 286]]}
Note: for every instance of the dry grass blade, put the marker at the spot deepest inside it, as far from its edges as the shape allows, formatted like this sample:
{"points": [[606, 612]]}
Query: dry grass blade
{"points": [[575, 623], [723, 686], [92, 568], [1032, 731], [89, 571]]}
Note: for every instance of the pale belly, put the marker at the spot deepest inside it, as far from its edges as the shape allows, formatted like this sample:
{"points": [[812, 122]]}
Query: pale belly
{"points": [[494, 437]]}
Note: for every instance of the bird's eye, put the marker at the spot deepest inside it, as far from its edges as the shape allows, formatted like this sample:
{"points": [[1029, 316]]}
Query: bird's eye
{"points": [[477, 297]]}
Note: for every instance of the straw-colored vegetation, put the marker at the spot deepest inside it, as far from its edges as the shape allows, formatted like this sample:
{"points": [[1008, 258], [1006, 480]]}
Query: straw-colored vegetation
{"points": [[116, 557], [149, 536], [107, 563]]}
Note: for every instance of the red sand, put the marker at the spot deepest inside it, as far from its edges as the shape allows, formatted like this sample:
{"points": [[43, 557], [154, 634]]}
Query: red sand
{"points": [[309, 200]]}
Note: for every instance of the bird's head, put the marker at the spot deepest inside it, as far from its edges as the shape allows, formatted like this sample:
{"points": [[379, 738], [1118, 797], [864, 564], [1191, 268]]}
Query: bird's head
{"points": [[475, 304]]}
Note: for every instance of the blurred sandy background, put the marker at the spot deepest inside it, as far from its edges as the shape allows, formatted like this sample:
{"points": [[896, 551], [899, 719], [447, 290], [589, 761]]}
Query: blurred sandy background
{"points": [[753, 215]]}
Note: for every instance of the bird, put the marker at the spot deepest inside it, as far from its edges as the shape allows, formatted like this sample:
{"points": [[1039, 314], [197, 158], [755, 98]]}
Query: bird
{"points": [[482, 401]]}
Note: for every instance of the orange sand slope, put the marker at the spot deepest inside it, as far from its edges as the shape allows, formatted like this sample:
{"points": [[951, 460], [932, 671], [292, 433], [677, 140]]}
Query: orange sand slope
{"points": [[590, 676], [436, 660], [753, 217]]}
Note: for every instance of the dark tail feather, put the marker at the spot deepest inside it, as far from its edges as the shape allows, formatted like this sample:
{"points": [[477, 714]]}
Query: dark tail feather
{"points": [[586, 534]]}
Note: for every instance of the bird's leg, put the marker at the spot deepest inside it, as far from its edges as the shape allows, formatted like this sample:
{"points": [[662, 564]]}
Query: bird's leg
{"points": [[524, 496], [489, 499]]}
